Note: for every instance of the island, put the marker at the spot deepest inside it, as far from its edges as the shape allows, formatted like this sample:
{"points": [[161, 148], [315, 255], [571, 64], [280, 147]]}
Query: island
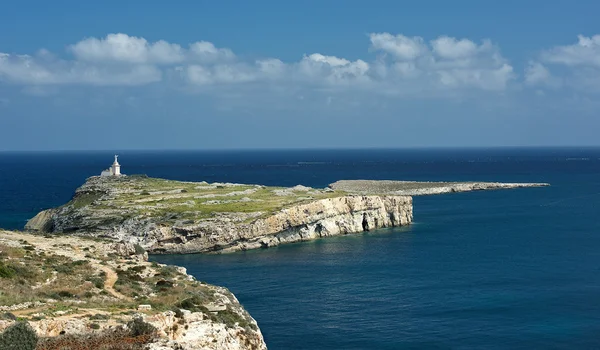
{"points": [[167, 216]]}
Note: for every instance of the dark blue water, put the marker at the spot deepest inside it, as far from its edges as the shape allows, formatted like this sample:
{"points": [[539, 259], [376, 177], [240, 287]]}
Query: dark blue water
{"points": [[498, 269]]}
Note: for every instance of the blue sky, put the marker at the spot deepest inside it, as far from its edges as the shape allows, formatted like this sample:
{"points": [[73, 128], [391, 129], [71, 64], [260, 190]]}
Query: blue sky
{"points": [[310, 74]]}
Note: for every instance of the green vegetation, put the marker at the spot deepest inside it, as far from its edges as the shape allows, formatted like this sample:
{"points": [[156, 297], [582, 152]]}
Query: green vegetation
{"points": [[175, 200], [18, 336], [84, 199]]}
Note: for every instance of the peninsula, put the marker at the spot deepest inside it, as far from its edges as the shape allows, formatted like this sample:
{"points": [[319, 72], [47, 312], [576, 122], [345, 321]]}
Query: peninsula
{"points": [[165, 216]]}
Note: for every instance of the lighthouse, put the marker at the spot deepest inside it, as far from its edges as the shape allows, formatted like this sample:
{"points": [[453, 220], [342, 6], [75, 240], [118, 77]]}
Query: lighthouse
{"points": [[116, 167], [114, 170]]}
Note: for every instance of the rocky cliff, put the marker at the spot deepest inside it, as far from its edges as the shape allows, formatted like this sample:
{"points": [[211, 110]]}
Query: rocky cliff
{"points": [[84, 294], [185, 217]]}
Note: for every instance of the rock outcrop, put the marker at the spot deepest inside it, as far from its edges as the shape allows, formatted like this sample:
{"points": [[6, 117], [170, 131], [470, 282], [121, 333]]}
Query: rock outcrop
{"points": [[419, 188], [175, 217], [79, 291]]}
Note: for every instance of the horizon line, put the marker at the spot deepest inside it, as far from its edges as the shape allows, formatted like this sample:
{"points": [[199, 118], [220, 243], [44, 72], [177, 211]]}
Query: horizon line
{"points": [[374, 148]]}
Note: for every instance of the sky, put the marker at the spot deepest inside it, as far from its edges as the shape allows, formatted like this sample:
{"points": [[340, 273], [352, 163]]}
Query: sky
{"points": [[116, 75]]}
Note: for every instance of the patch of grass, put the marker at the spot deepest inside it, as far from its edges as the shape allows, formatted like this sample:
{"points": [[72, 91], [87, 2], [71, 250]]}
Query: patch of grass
{"points": [[84, 199]]}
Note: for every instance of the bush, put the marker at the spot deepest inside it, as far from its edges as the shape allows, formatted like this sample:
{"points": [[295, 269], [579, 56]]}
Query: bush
{"points": [[99, 317], [65, 294], [8, 316], [6, 271], [98, 281], [168, 271], [178, 312], [139, 250], [138, 327], [19, 336], [144, 193]]}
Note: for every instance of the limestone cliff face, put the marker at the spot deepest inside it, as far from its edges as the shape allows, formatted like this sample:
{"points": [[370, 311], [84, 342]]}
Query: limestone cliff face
{"points": [[321, 218], [307, 219]]}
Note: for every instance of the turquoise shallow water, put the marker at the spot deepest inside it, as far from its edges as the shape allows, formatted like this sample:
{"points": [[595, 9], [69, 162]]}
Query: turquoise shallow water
{"points": [[496, 269]]}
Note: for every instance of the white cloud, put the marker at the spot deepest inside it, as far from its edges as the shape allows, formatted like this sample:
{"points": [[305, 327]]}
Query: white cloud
{"points": [[402, 63], [271, 68], [576, 66], [445, 63], [124, 48], [207, 52], [402, 47], [332, 70], [536, 74], [451, 48], [586, 52], [29, 70]]}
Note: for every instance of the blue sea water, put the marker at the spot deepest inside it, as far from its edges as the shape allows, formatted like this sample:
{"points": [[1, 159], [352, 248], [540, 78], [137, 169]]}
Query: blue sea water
{"points": [[493, 269]]}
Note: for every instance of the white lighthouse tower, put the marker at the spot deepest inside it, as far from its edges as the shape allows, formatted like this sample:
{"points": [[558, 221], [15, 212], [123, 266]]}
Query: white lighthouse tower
{"points": [[116, 167], [114, 170]]}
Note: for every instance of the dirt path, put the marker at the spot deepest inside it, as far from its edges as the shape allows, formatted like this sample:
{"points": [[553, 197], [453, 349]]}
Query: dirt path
{"points": [[109, 283], [67, 246]]}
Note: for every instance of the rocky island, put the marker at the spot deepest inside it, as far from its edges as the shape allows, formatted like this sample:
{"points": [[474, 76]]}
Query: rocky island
{"points": [[166, 216]]}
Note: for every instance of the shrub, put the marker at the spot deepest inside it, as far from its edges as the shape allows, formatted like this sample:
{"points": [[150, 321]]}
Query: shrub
{"points": [[99, 317], [6, 271], [168, 271], [65, 294], [98, 281], [8, 316], [139, 250], [178, 312], [19, 336], [144, 193], [66, 269], [138, 327]]}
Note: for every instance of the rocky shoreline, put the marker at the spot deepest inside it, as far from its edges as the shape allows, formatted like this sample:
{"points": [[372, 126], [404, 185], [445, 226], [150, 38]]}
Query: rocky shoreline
{"points": [[419, 188]]}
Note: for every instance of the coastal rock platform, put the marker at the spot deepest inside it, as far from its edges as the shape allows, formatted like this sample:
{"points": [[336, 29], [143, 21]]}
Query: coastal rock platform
{"points": [[420, 188]]}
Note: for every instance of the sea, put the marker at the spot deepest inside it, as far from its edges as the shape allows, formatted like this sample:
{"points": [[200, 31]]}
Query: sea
{"points": [[505, 269]]}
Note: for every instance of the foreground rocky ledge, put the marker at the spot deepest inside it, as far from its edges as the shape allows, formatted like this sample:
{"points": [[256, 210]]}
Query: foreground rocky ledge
{"points": [[166, 216], [85, 293], [417, 188]]}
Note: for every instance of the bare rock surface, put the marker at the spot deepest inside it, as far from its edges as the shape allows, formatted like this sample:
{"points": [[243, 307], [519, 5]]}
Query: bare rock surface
{"points": [[419, 188]]}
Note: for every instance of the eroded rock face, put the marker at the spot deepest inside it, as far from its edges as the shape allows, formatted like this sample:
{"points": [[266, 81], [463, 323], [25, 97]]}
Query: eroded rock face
{"points": [[225, 231], [322, 218]]}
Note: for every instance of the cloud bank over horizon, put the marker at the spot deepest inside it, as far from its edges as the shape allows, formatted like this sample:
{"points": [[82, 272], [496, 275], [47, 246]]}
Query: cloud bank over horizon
{"points": [[394, 64], [435, 91]]}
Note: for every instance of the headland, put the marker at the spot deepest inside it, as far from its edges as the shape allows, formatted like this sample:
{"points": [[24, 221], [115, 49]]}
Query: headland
{"points": [[166, 216]]}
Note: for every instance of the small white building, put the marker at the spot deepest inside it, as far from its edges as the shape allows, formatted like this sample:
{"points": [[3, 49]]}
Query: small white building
{"points": [[114, 170]]}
